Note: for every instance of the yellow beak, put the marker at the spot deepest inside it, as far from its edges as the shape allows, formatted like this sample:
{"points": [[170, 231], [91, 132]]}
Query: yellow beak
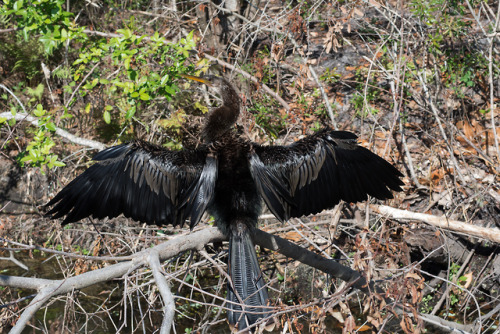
{"points": [[191, 77]]}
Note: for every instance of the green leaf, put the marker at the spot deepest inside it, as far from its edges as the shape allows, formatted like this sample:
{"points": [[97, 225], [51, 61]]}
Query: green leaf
{"points": [[39, 112], [130, 113], [170, 89], [132, 74], [125, 32], [144, 96], [164, 79], [107, 117], [64, 34], [50, 126], [18, 5], [25, 34], [126, 63]]}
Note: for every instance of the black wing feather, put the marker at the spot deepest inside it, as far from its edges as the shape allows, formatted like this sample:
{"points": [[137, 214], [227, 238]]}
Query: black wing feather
{"points": [[144, 182], [315, 173]]}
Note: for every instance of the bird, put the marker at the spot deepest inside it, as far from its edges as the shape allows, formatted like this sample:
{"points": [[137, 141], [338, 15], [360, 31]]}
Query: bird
{"points": [[231, 178]]}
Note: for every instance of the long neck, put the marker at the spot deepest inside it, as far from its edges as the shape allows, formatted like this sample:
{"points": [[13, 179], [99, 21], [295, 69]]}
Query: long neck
{"points": [[220, 120]]}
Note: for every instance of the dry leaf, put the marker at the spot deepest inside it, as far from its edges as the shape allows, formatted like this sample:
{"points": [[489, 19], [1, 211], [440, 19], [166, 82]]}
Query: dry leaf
{"points": [[358, 12], [337, 315], [293, 236], [413, 275], [468, 280], [349, 325], [363, 328]]}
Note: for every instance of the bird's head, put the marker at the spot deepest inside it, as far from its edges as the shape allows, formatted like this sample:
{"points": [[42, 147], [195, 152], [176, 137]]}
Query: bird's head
{"points": [[221, 119], [218, 85]]}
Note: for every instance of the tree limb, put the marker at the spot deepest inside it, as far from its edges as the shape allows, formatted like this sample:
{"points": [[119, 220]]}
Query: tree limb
{"points": [[63, 133], [492, 234], [166, 294]]}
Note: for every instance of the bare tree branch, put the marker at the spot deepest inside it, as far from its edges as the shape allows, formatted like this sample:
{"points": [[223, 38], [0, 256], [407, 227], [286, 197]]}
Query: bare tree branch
{"points": [[492, 234], [166, 294], [63, 133]]}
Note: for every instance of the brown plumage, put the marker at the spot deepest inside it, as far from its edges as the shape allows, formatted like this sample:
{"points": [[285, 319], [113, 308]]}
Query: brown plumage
{"points": [[229, 177]]}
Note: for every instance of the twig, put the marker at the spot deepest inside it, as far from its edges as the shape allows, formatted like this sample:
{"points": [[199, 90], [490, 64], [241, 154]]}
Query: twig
{"points": [[80, 84], [9, 30], [15, 97], [445, 295], [312, 259], [454, 327], [441, 129], [325, 97], [41, 298], [409, 159], [51, 288], [15, 261]]}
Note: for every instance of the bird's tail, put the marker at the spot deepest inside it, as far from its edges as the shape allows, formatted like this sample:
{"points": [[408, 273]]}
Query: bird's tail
{"points": [[247, 293]]}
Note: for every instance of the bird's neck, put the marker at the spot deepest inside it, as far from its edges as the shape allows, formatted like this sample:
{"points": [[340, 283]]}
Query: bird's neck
{"points": [[221, 120]]}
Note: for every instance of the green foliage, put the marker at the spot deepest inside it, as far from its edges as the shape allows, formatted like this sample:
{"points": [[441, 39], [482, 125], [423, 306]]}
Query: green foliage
{"points": [[62, 72], [35, 93], [38, 151], [461, 66], [134, 72], [135, 81], [425, 305], [358, 102], [24, 55], [43, 18], [463, 69], [443, 18], [330, 76], [267, 117]]}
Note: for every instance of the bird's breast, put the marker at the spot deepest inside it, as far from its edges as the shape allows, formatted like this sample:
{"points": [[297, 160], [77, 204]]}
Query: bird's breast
{"points": [[235, 191]]}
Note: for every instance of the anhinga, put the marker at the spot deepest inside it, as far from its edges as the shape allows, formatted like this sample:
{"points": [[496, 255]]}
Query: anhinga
{"points": [[228, 176]]}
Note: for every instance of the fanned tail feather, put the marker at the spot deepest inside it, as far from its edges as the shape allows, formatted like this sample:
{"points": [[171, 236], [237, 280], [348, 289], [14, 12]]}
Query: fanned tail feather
{"points": [[248, 286]]}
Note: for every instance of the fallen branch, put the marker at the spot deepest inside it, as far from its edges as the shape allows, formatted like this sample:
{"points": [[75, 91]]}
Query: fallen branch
{"points": [[166, 294], [63, 133], [492, 234]]}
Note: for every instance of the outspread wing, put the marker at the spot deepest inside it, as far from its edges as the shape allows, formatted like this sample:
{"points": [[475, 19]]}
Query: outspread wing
{"points": [[315, 173], [144, 182]]}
